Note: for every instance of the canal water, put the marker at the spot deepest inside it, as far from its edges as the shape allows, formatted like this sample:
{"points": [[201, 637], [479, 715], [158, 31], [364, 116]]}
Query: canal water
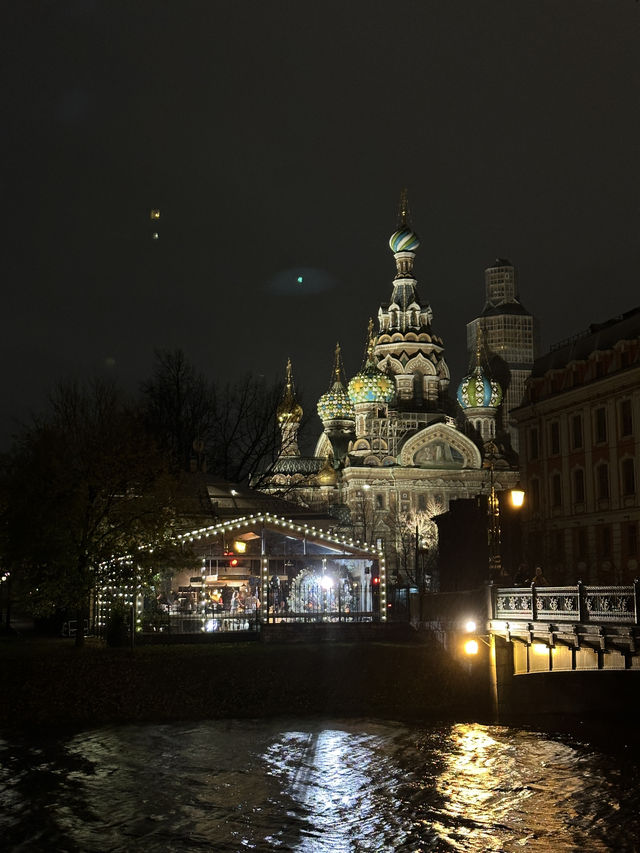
{"points": [[333, 785]]}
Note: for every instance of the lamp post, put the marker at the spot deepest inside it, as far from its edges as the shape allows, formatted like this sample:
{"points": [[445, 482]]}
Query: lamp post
{"points": [[493, 513]]}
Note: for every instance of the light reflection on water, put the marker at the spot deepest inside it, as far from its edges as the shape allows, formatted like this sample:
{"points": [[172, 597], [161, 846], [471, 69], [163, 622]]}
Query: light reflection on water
{"points": [[325, 786]]}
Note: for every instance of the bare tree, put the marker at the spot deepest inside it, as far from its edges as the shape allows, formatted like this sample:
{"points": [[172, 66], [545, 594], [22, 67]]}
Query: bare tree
{"points": [[368, 520], [233, 426], [413, 550], [246, 436], [179, 407], [81, 485]]}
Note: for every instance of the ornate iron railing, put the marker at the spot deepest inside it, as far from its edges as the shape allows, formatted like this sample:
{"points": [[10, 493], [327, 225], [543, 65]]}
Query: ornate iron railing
{"points": [[580, 604]]}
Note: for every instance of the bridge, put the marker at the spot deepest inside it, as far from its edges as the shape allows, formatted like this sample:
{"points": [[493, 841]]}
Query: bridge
{"points": [[564, 650], [568, 628]]}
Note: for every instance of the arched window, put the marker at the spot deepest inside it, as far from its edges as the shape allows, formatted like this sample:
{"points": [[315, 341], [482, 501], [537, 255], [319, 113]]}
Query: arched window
{"points": [[556, 490], [602, 480], [534, 501], [578, 485], [628, 477]]}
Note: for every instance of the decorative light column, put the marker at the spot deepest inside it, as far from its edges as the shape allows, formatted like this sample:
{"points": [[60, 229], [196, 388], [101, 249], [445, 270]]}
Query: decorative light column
{"points": [[493, 515]]}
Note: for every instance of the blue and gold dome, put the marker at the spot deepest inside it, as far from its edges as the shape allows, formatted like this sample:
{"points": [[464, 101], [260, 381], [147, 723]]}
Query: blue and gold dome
{"points": [[336, 404], [476, 391], [371, 385]]}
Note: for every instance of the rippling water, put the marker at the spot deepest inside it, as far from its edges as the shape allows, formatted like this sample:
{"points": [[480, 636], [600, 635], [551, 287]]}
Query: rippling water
{"points": [[325, 786]]}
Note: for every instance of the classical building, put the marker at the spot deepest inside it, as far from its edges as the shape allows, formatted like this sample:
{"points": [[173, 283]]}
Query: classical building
{"points": [[510, 334], [578, 455]]}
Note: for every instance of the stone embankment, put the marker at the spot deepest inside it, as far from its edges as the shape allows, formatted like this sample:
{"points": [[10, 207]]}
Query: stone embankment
{"points": [[51, 683]]}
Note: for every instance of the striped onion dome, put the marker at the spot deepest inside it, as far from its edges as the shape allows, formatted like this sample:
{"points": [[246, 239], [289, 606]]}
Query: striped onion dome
{"points": [[404, 240], [476, 391]]}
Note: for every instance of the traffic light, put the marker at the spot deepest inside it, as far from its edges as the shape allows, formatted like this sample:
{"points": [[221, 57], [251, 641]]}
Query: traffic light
{"points": [[233, 560], [375, 591]]}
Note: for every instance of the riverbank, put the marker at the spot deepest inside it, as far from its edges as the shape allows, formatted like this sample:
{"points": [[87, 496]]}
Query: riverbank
{"points": [[50, 683]]}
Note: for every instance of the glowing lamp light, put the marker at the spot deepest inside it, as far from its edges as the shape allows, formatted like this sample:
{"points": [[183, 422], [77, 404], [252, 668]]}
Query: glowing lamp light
{"points": [[300, 279], [470, 626], [155, 213], [517, 496], [240, 546], [326, 582], [471, 647], [540, 649]]}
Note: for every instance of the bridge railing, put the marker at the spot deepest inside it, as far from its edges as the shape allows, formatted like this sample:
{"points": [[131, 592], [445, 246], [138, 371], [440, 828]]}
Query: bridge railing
{"points": [[580, 604]]}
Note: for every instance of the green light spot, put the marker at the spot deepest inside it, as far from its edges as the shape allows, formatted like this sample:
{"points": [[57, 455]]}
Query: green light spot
{"points": [[299, 279]]}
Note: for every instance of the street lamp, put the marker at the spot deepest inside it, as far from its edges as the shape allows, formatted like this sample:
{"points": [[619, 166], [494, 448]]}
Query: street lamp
{"points": [[517, 496], [493, 512]]}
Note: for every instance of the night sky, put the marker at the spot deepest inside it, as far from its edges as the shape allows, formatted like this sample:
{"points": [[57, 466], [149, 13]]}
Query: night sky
{"points": [[275, 137]]}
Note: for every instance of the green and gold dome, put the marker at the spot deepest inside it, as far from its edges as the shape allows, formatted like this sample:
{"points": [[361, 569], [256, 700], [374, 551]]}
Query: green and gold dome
{"points": [[371, 385], [476, 391], [336, 404]]}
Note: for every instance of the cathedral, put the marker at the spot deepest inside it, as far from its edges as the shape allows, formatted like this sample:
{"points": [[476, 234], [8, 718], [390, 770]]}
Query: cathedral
{"points": [[397, 450]]}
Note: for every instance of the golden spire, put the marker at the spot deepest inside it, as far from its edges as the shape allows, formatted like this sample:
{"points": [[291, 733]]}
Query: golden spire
{"points": [[289, 379], [337, 365], [478, 345], [404, 215], [289, 408], [371, 340]]}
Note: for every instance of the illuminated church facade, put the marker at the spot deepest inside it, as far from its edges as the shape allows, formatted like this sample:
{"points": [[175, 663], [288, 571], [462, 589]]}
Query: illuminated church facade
{"points": [[396, 451]]}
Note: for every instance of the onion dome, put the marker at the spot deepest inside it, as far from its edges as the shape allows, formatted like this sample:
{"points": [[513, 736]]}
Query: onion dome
{"points": [[404, 240], [371, 385], [327, 475], [289, 410], [336, 403], [476, 391]]}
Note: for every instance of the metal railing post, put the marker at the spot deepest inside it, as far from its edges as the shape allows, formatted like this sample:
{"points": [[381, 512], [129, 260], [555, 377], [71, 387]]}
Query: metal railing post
{"points": [[490, 600], [534, 603], [583, 615]]}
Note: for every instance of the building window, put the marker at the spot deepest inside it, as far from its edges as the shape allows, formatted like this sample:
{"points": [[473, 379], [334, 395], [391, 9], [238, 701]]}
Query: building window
{"points": [[626, 418], [555, 438], [582, 544], [533, 443], [628, 477], [558, 545], [578, 486], [601, 425], [379, 501], [576, 432], [605, 541], [602, 480], [535, 495], [422, 501], [556, 490], [632, 539]]}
